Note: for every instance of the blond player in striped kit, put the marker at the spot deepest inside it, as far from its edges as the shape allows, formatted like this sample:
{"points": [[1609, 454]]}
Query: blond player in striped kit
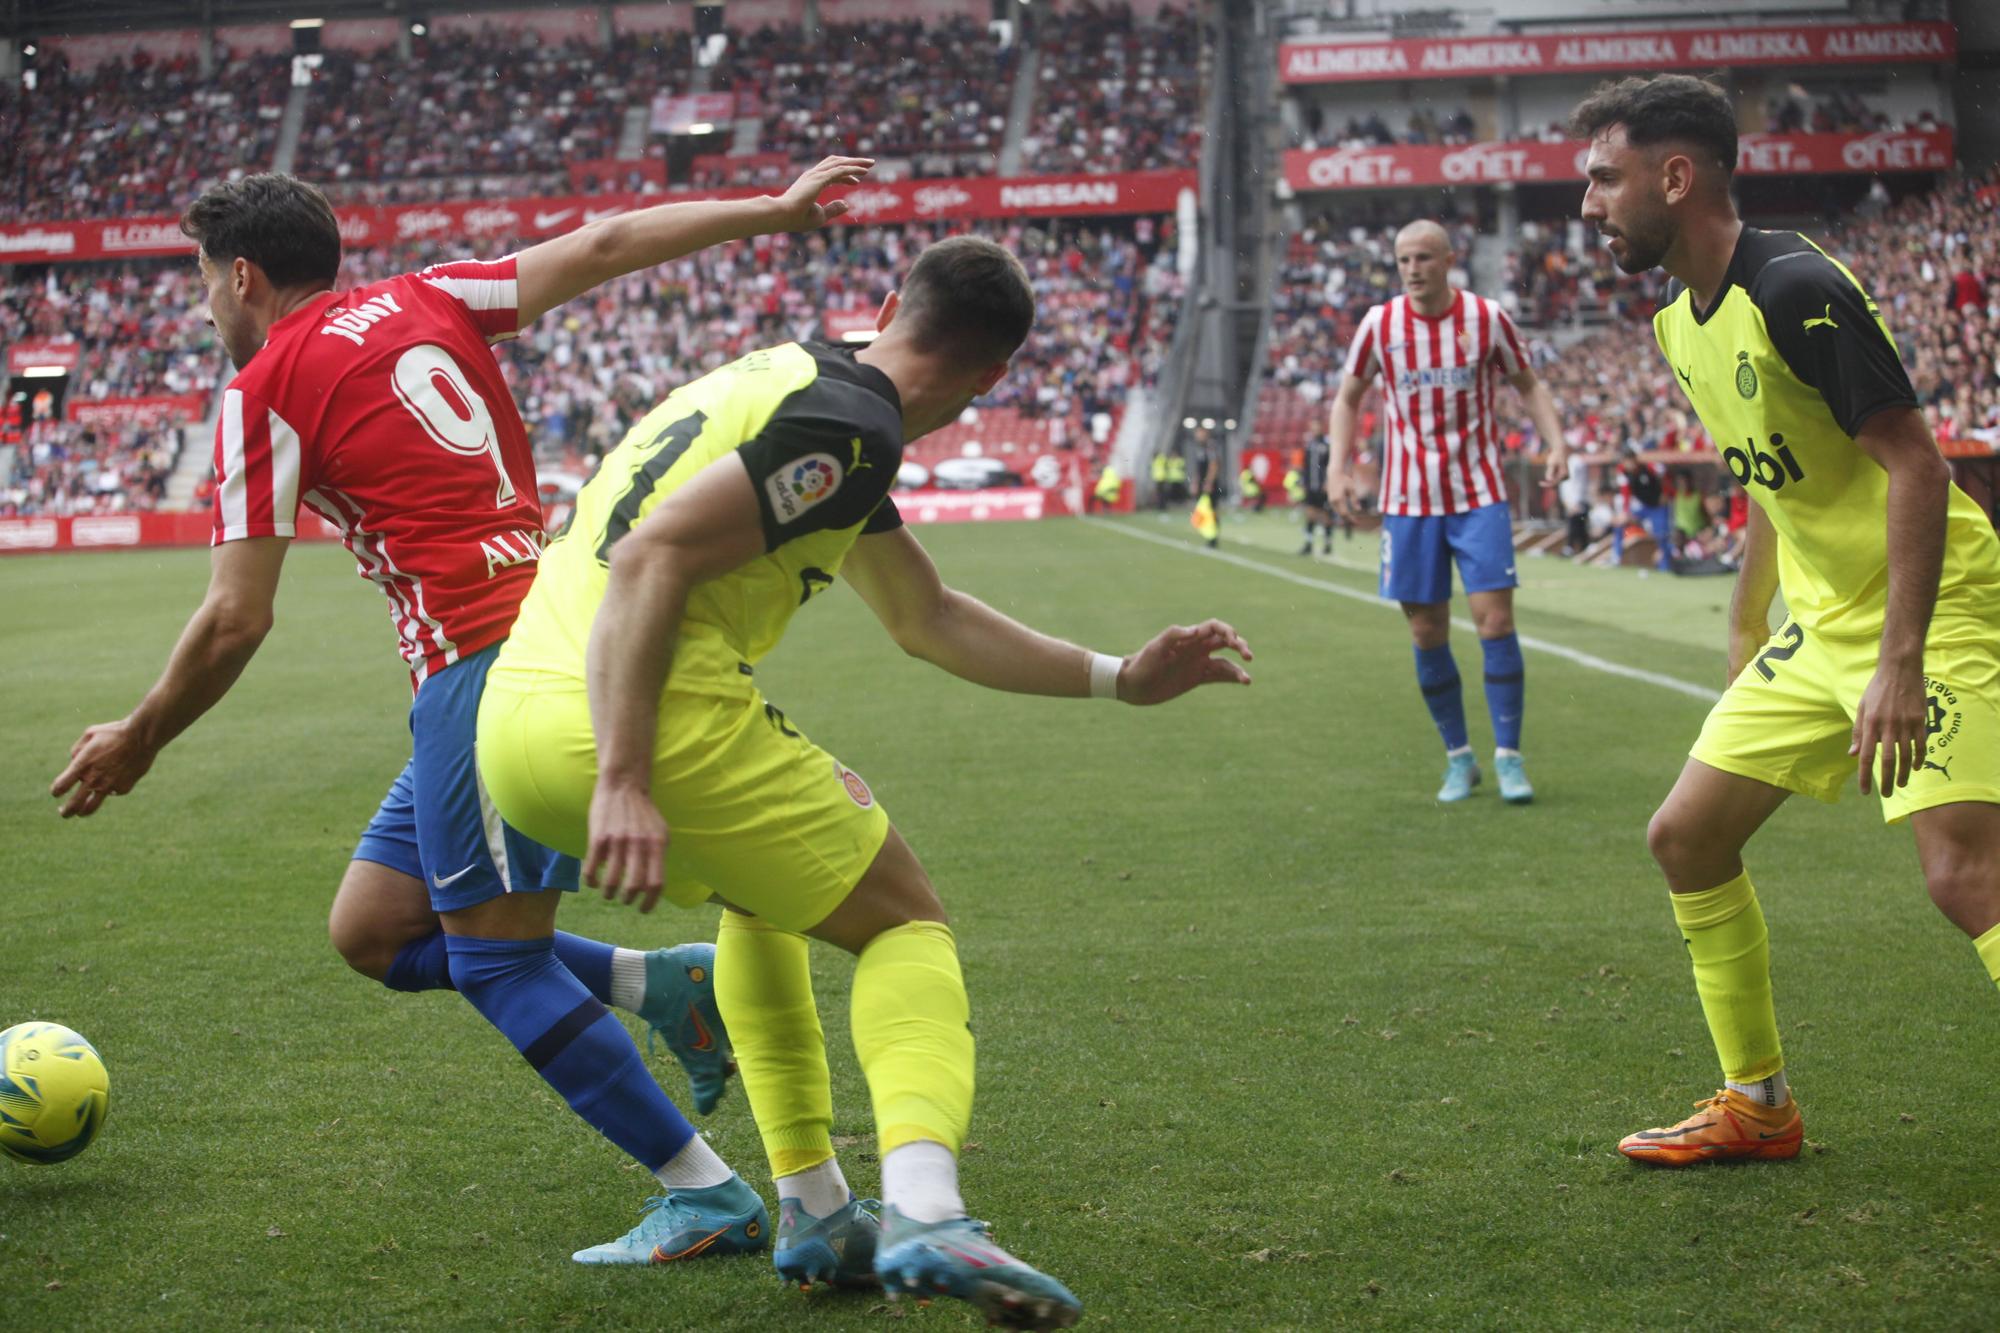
{"points": [[1441, 353]]}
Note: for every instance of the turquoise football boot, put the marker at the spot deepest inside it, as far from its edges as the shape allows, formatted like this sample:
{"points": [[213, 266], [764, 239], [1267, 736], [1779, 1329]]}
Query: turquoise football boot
{"points": [[838, 1248], [1513, 774], [1461, 775], [958, 1258], [680, 1008], [690, 1224]]}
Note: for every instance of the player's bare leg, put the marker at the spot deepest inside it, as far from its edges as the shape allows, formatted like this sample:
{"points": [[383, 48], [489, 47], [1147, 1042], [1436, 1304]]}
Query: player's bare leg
{"points": [[382, 923], [1959, 848], [1697, 836], [912, 1034], [376, 913], [1493, 618]]}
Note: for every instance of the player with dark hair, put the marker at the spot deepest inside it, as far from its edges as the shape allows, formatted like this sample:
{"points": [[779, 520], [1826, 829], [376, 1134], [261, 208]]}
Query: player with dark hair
{"points": [[1441, 353], [384, 411], [1887, 668], [625, 706]]}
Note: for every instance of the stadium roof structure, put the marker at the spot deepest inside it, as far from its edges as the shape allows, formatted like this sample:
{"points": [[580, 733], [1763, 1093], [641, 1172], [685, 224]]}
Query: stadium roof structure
{"points": [[52, 18]]}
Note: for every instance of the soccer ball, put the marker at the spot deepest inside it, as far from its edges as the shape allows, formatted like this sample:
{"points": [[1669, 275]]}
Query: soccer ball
{"points": [[53, 1093]]}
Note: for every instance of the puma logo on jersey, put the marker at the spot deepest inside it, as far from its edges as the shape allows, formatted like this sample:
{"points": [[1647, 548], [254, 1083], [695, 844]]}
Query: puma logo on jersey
{"points": [[1826, 319], [859, 462], [354, 321], [1685, 377]]}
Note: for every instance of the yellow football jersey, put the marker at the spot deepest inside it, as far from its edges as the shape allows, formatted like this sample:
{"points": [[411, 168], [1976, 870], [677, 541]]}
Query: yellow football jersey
{"points": [[1785, 365], [822, 437]]}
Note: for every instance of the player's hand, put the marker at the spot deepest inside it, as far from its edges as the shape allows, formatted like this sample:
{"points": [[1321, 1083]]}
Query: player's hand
{"points": [[628, 845], [1181, 658], [1891, 720], [107, 760], [1556, 470], [800, 208], [1340, 493]]}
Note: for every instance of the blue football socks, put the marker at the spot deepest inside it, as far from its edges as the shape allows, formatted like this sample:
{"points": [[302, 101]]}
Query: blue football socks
{"points": [[572, 1040], [1505, 689], [1437, 677]]}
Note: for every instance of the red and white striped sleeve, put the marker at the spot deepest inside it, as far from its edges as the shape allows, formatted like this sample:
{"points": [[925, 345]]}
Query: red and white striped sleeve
{"points": [[485, 288], [1508, 352], [256, 471], [1364, 354]]}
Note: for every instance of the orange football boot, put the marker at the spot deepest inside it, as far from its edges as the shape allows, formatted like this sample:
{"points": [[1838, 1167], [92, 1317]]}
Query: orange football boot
{"points": [[1728, 1127]]}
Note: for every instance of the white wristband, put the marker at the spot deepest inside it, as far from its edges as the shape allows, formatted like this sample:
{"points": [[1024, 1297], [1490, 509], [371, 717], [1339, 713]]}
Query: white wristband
{"points": [[1104, 670]]}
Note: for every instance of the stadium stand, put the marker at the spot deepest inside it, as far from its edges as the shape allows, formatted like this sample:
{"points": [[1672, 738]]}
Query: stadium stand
{"points": [[1114, 96], [932, 97], [136, 136], [482, 114]]}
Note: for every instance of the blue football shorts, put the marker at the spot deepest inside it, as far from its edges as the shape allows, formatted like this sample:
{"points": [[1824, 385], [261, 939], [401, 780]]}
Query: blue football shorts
{"points": [[436, 823], [1417, 553]]}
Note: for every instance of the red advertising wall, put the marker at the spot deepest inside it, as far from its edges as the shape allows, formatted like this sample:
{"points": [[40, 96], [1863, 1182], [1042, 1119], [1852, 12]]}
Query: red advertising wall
{"points": [[524, 219], [1666, 48], [1402, 165]]}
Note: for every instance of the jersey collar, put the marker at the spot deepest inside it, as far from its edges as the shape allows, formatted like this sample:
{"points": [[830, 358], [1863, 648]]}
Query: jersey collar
{"points": [[1731, 277], [838, 360]]}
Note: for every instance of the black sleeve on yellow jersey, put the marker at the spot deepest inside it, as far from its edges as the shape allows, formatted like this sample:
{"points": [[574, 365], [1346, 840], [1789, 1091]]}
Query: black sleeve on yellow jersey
{"points": [[1824, 327], [826, 459], [886, 518]]}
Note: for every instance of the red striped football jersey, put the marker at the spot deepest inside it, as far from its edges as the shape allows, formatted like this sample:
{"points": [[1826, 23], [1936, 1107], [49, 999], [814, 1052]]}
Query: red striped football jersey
{"points": [[384, 410], [1441, 447]]}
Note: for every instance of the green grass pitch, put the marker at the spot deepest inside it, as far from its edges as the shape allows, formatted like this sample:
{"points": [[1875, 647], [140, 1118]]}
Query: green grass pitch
{"points": [[1266, 1038]]}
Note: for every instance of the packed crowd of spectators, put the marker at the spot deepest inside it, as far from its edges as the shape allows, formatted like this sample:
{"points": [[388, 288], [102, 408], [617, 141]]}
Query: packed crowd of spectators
{"points": [[930, 97], [1115, 94], [139, 332], [137, 136], [60, 469], [1106, 299], [481, 114]]}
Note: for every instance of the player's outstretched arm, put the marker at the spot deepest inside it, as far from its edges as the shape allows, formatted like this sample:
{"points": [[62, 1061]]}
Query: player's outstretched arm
{"points": [[1891, 716], [702, 531], [559, 270], [219, 641], [968, 638]]}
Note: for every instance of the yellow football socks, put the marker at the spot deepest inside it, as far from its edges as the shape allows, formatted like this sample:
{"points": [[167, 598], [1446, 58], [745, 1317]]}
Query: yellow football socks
{"points": [[911, 1033], [763, 986], [1989, 952], [1731, 953]]}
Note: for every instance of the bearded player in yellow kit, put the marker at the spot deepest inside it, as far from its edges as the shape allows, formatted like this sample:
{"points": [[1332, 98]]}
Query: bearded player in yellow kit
{"points": [[1886, 672], [624, 704]]}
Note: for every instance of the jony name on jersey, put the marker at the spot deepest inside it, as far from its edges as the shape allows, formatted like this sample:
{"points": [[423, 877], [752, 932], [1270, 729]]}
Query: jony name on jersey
{"points": [[1437, 377], [353, 322]]}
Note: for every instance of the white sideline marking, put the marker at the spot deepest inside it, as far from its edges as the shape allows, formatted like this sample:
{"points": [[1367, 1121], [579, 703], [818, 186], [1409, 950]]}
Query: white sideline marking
{"points": [[1582, 659]]}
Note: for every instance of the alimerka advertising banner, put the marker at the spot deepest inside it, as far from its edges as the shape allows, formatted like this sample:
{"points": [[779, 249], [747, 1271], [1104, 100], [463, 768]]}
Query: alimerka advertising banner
{"points": [[1581, 53], [530, 219], [1398, 166]]}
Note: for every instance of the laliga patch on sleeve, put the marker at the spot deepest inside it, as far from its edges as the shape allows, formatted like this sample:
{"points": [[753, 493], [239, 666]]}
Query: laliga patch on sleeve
{"points": [[801, 484]]}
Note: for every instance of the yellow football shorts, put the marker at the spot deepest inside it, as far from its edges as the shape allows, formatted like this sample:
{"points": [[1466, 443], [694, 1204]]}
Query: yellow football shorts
{"points": [[756, 813], [1789, 717]]}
